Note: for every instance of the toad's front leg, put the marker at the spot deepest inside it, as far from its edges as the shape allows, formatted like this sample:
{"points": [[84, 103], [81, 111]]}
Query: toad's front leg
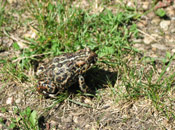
{"points": [[82, 84]]}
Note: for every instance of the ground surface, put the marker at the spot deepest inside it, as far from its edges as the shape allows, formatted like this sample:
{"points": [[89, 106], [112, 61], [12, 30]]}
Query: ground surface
{"points": [[132, 83]]}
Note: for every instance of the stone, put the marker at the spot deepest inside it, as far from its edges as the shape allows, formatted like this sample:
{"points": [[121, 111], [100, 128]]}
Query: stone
{"points": [[12, 1], [1, 126], [170, 11], [165, 24], [145, 5], [154, 49], [167, 37], [173, 50], [75, 119], [147, 40], [88, 101], [53, 123], [151, 15], [155, 21], [172, 30], [130, 4], [88, 126], [168, 69], [9, 101], [141, 24], [18, 101]]}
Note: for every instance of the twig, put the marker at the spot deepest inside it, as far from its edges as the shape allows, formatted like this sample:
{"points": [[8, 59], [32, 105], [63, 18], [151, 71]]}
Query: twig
{"points": [[81, 104], [148, 35]]}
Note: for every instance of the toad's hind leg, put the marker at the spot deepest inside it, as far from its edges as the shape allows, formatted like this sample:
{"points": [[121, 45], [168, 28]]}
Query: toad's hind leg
{"points": [[82, 83], [47, 88]]}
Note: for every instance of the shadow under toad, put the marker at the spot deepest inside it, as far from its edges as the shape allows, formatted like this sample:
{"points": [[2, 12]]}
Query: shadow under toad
{"points": [[95, 79]]}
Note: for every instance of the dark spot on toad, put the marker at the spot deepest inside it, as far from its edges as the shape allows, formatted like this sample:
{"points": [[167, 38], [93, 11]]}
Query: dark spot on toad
{"points": [[58, 79], [59, 64], [55, 60], [64, 77], [41, 68], [69, 63], [60, 71]]}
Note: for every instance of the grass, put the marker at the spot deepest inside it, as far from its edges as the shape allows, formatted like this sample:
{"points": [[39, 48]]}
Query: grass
{"points": [[26, 118], [61, 28]]}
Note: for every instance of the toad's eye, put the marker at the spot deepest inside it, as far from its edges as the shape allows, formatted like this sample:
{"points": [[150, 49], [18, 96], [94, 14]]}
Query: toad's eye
{"points": [[41, 68]]}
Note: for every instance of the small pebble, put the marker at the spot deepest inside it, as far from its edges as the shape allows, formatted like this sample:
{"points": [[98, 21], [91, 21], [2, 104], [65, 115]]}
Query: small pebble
{"points": [[9, 100], [30, 34], [88, 101], [168, 69], [1, 126], [151, 15], [18, 101], [170, 39], [130, 4], [170, 11], [156, 21], [173, 30], [88, 126], [145, 5], [68, 119], [173, 50], [165, 24], [53, 123], [11, 1], [75, 119], [154, 49], [147, 40], [141, 23]]}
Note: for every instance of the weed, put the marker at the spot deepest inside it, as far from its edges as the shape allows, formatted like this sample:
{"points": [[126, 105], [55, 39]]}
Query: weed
{"points": [[27, 119]]}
